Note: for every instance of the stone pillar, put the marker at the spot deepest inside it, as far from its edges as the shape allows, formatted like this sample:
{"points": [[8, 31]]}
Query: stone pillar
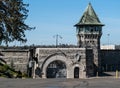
{"points": [[33, 69], [70, 72]]}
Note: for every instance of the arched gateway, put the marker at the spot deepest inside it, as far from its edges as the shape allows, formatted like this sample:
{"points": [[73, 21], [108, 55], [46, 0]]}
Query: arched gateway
{"points": [[56, 66]]}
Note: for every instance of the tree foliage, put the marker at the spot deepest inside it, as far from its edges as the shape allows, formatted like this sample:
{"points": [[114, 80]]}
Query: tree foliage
{"points": [[13, 14]]}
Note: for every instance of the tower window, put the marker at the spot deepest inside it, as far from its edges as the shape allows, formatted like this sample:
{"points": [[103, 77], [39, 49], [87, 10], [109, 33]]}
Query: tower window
{"points": [[91, 30]]}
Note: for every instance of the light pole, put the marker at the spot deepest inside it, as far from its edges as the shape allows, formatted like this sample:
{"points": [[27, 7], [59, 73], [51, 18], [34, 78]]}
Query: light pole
{"points": [[108, 40], [57, 37]]}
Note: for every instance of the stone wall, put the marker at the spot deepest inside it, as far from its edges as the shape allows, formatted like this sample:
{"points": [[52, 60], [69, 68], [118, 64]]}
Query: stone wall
{"points": [[72, 57], [110, 60], [44, 53], [90, 68], [18, 58]]}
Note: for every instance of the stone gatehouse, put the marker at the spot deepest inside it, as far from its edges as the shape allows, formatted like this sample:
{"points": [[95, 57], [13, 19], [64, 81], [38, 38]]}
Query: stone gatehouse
{"points": [[65, 62]]}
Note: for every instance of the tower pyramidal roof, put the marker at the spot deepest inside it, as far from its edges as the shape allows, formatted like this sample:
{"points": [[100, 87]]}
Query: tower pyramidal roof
{"points": [[89, 17]]}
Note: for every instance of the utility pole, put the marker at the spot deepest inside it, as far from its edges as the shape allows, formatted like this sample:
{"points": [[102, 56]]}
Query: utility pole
{"points": [[57, 37]]}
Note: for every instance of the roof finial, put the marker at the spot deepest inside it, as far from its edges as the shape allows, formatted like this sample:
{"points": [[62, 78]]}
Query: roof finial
{"points": [[89, 3]]}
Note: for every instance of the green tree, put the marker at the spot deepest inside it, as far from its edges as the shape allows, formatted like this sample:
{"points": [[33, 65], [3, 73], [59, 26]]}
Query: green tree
{"points": [[13, 14]]}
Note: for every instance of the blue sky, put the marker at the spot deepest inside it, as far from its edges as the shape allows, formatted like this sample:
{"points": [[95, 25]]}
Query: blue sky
{"points": [[51, 17]]}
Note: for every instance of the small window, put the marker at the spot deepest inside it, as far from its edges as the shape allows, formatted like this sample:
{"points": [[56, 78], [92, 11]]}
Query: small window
{"points": [[91, 30]]}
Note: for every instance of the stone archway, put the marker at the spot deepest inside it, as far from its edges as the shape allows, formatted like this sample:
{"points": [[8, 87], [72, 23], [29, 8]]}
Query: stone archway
{"points": [[55, 58]]}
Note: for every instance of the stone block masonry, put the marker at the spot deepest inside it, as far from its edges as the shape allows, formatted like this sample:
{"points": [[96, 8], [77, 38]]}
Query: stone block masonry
{"points": [[16, 57]]}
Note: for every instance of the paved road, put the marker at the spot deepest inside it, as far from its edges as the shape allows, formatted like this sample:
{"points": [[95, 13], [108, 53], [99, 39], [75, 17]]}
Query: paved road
{"points": [[60, 83]]}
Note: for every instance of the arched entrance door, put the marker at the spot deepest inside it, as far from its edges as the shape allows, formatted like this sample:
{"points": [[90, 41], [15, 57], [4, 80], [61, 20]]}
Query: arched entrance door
{"points": [[76, 72], [56, 69]]}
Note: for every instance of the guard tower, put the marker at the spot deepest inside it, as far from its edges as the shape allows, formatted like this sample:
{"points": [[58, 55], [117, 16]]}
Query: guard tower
{"points": [[89, 31]]}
